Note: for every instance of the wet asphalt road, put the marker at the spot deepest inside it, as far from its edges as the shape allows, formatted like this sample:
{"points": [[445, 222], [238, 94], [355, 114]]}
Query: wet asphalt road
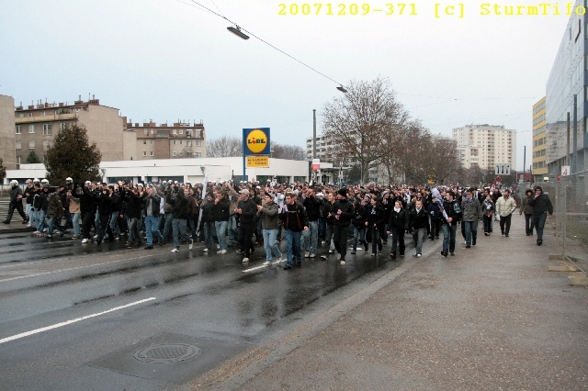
{"points": [[76, 316]]}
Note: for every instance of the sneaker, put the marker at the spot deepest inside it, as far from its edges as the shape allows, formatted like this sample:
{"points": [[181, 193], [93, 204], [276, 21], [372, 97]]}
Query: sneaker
{"points": [[221, 252], [452, 254], [352, 252], [312, 255], [444, 253], [238, 251], [306, 254], [6, 222], [338, 257], [342, 262], [162, 243], [191, 244], [205, 250], [324, 257], [36, 232], [245, 260], [287, 267], [373, 254], [95, 236], [117, 238], [267, 263], [49, 236], [419, 255], [175, 250], [148, 247], [506, 235], [330, 251], [86, 240], [392, 255], [218, 246]]}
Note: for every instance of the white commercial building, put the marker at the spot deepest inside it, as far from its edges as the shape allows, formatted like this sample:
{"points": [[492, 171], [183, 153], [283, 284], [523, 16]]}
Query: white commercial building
{"points": [[187, 170], [485, 145]]}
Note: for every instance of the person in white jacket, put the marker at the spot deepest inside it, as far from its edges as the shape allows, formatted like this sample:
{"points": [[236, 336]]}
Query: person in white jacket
{"points": [[505, 206]]}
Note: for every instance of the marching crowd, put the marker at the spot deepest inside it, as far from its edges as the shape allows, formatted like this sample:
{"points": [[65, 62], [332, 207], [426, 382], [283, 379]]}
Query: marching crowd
{"points": [[244, 215]]}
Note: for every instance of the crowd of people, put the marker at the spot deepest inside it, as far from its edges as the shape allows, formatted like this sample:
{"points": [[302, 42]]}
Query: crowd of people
{"points": [[310, 217]]}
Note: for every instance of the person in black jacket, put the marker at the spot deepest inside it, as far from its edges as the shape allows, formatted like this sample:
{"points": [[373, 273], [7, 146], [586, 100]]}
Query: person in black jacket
{"points": [[358, 221], [246, 210], [15, 203], [449, 223], [222, 214], [313, 209], [375, 224], [180, 212], [295, 221], [133, 207], [343, 212], [103, 201], [418, 221], [541, 207], [208, 225], [398, 225]]}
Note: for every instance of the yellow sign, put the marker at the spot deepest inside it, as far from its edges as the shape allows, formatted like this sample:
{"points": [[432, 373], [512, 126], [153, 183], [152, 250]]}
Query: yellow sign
{"points": [[257, 161], [257, 141]]}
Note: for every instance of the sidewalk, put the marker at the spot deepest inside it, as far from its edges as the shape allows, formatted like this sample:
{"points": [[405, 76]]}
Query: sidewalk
{"points": [[491, 318]]}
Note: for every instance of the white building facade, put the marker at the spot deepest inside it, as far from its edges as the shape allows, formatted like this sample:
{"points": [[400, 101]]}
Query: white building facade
{"points": [[485, 145]]}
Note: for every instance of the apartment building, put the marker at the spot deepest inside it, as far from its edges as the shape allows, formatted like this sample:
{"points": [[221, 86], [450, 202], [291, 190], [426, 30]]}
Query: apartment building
{"points": [[179, 140], [7, 151], [36, 125], [485, 145]]}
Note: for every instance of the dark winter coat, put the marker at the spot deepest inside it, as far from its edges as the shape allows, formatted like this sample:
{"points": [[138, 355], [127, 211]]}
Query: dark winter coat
{"points": [[294, 217]]}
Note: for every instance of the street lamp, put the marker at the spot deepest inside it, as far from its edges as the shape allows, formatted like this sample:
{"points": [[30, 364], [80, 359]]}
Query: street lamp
{"points": [[237, 31], [342, 89]]}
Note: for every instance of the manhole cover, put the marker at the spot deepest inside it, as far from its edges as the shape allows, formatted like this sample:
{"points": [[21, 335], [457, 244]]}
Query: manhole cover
{"points": [[167, 353]]}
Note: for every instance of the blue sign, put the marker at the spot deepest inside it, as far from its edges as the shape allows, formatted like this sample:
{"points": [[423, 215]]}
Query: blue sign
{"points": [[256, 141]]}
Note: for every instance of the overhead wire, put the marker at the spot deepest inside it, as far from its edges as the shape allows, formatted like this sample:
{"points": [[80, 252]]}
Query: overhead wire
{"points": [[220, 15]]}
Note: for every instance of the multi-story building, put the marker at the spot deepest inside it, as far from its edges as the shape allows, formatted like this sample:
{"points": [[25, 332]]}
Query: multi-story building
{"points": [[36, 125], [485, 145], [539, 145], [567, 100], [325, 147], [180, 140], [7, 151]]}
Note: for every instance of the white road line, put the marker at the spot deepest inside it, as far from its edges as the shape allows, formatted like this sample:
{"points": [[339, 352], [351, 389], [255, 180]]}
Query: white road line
{"points": [[55, 326], [261, 266]]}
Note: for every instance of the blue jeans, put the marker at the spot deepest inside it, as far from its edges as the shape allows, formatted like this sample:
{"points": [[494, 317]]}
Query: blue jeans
{"points": [[152, 228], [179, 232], [134, 236], [233, 233], [41, 223], [114, 223], [269, 244], [167, 225], [471, 231], [419, 237], [55, 221], [210, 236], [293, 248], [311, 237], [221, 228], [539, 221], [449, 232], [359, 234], [75, 221]]}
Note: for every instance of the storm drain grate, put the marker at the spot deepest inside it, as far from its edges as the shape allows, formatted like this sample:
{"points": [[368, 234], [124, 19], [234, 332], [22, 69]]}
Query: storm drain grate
{"points": [[167, 353]]}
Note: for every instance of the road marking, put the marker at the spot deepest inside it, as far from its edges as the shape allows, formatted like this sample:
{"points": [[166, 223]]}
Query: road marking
{"points": [[58, 325], [259, 267]]}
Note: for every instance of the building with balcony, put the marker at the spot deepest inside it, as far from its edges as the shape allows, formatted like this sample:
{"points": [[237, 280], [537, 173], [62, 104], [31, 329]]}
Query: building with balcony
{"points": [[177, 141], [485, 145], [540, 171]]}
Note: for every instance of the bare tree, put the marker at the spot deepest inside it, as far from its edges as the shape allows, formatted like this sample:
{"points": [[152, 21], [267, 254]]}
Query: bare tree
{"points": [[443, 160], [359, 121], [224, 146], [291, 152]]}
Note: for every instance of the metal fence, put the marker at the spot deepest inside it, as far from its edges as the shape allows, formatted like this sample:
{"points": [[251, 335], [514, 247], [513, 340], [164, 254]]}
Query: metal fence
{"points": [[569, 197]]}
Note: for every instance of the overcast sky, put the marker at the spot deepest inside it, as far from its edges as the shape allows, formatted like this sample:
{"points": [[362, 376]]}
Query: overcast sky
{"points": [[166, 60]]}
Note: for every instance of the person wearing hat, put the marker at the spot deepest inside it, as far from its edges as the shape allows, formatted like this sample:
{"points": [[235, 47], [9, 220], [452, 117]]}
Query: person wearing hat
{"points": [[15, 203], [343, 212], [541, 205], [528, 211], [246, 210]]}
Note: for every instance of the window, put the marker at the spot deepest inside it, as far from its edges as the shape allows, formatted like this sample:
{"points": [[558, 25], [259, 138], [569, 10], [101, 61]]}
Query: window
{"points": [[198, 154], [174, 142], [47, 130], [189, 143], [31, 128], [181, 141], [46, 145], [174, 153], [151, 142], [144, 153], [144, 142], [198, 143], [151, 153], [181, 131], [181, 153], [145, 131], [18, 162], [43, 113], [31, 144], [18, 129], [152, 131], [63, 125], [18, 144], [175, 131]]}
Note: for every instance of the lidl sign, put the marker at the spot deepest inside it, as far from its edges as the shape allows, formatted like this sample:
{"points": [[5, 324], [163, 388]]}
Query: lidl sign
{"points": [[256, 141]]}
